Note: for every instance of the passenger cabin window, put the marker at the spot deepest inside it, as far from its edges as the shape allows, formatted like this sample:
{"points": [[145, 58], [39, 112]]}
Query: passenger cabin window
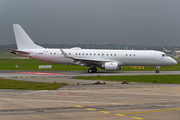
{"points": [[76, 53], [86, 53]]}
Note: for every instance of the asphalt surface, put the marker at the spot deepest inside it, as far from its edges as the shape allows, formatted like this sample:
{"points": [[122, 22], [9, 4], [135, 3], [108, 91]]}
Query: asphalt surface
{"points": [[150, 103], [9, 73], [81, 100]]}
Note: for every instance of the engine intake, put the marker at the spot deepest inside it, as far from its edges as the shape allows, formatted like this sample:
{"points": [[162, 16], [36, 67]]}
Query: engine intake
{"points": [[111, 66]]}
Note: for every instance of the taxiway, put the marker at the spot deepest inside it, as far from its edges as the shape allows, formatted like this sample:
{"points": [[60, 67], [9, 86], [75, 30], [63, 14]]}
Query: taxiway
{"points": [[9, 73], [83, 101]]}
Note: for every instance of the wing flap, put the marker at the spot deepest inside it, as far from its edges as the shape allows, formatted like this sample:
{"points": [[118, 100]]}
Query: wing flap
{"points": [[93, 60]]}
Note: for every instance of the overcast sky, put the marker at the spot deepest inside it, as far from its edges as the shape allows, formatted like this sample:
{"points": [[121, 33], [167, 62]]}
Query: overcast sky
{"points": [[153, 22]]}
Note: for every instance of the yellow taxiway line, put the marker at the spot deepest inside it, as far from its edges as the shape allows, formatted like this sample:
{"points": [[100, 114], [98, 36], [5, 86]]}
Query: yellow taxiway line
{"points": [[148, 111]]}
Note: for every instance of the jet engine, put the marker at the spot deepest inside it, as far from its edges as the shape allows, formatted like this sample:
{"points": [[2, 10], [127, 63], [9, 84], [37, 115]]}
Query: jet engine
{"points": [[111, 66]]}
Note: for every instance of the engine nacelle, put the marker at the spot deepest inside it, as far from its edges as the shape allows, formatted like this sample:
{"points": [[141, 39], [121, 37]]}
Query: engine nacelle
{"points": [[111, 66]]}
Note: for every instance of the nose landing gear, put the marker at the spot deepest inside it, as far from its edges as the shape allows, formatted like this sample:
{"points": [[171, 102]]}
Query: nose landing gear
{"points": [[157, 69]]}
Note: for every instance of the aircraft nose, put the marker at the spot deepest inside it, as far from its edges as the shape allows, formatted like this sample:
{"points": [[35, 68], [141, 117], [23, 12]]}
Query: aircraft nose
{"points": [[174, 62]]}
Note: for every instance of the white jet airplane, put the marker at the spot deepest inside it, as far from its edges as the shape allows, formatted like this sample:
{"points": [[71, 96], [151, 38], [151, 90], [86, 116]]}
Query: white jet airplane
{"points": [[109, 60]]}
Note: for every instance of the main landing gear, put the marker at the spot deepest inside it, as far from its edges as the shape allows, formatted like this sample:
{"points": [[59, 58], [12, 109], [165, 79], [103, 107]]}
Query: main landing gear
{"points": [[92, 70], [157, 69]]}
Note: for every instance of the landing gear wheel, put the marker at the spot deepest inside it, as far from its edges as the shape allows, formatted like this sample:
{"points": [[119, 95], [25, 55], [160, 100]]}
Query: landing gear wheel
{"points": [[157, 71], [90, 70], [94, 70]]}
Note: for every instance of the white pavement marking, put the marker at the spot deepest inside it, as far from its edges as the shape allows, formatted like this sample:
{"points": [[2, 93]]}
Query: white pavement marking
{"points": [[28, 100], [64, 95], [34, 92], [140, 94], [155, 99], [120, 97]]}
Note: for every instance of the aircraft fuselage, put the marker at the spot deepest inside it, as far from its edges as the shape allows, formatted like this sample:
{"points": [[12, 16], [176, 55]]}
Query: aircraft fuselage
{"points": [[123, 57]]}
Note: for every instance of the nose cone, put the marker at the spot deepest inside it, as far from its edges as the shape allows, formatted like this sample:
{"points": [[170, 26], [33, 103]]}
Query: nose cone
{"points": [[174, 62]]}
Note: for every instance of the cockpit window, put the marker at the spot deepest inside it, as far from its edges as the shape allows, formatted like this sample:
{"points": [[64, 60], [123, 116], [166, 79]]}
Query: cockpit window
{"points": [[164, 55]]}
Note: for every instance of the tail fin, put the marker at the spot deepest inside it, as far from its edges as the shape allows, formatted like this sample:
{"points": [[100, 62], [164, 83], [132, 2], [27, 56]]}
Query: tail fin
{"points": [[23, 40]]}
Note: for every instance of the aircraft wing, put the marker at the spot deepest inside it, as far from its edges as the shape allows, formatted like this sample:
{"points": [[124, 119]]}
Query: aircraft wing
{"points": [[14, 51], [85, 61], [93, 60]]}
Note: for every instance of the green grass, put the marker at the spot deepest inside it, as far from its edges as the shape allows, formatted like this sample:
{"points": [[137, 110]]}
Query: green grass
{"points": [[31, 64], [25, 85], [170, 79]]}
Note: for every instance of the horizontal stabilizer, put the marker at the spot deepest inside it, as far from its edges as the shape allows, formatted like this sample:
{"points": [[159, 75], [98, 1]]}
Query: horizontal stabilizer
{"points": [[14, 51]]}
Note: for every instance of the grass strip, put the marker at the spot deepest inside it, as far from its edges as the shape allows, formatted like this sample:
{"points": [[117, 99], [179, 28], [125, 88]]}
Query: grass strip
{"points": [[169, 79], [31, 64], [28, 85]]}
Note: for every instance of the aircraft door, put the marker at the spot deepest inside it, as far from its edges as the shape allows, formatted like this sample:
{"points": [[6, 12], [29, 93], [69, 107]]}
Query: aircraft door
{"points": [[45, 52]]}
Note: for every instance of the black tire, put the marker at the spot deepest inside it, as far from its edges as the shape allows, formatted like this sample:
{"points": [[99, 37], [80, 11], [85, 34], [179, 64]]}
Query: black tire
{"points": [[90, 70], [94, 70], [157, 71]]}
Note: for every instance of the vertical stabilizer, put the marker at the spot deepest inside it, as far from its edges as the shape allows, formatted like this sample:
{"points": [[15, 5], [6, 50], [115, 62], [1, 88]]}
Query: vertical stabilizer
{"points": [[23, 40]]}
